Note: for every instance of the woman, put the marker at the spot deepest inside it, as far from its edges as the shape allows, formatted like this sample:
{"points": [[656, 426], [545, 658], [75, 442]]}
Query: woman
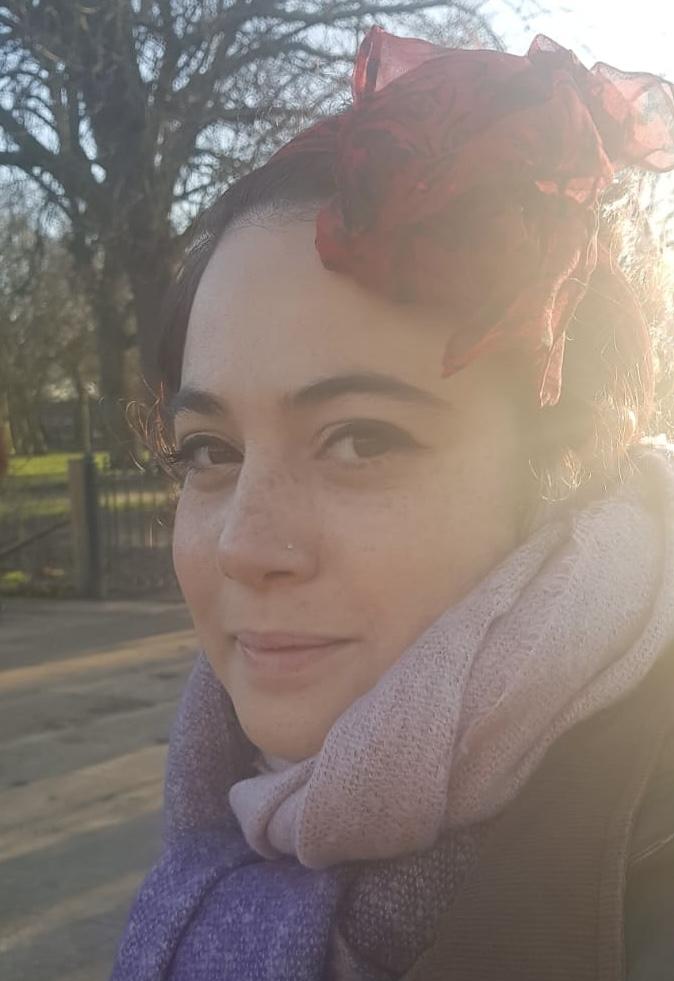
{"points": [[427, 556]]}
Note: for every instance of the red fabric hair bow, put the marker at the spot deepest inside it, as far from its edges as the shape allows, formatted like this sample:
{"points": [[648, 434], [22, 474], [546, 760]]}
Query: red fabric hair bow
{"points": [[471, 179]]}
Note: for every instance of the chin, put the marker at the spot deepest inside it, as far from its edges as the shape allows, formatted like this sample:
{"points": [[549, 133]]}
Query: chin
{"points": [[288, 717], [292, 730], [292, 746]]}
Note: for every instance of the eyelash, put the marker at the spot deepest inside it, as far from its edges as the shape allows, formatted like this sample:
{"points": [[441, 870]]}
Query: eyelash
{"points": [[181, 460]]}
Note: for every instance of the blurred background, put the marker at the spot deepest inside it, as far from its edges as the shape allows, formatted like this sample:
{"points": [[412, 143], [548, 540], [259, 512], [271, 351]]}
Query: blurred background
{"points": [[120, 120]]}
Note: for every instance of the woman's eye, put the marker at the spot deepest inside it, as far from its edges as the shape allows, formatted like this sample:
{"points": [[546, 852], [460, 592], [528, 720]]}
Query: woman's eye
{"points": [[353, 444], [362, 441], [203, 453]]}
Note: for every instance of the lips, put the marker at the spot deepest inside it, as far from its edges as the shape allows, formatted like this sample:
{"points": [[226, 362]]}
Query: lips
{"points": [[271, 659], [277, 641]]}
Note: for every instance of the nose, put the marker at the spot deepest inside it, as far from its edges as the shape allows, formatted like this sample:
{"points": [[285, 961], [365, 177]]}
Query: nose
{"points": [[266, 514]]}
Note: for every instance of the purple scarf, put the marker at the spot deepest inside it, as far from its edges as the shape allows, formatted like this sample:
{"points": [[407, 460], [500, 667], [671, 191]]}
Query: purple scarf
{"points": [[212, 908]]}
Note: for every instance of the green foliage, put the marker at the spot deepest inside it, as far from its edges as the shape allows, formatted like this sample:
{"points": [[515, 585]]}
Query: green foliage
{"points": [[13, 580], [49, 581]]}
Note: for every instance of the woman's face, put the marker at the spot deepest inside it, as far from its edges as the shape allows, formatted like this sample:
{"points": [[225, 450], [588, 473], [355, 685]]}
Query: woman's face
{"points": [[313, 413]]}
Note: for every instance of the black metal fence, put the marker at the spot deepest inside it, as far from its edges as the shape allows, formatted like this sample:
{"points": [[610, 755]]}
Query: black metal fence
{"points": [[133, 517], [35, 534]]}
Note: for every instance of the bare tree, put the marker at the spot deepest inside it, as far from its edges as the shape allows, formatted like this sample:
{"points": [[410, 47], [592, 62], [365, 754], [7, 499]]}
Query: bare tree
{"points": [[130, 114], [45, 325]]}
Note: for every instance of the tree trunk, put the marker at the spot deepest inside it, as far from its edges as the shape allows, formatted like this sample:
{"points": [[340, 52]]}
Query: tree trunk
{"points": [[6, 441], [150, 273], [37, 436], [81, 414], [25, 426], [112, 344]]}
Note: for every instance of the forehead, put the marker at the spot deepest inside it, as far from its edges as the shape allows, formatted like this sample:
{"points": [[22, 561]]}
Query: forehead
{"points": [[267, 314]]}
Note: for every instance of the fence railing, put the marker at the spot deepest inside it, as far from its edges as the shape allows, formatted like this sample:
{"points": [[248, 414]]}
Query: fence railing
{"points": [[135, 516], [35, 534], [89, 532]]}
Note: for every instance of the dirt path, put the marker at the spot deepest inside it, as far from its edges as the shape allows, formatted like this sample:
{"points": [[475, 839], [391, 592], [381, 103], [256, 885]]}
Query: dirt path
{"points": [[87, 695]]}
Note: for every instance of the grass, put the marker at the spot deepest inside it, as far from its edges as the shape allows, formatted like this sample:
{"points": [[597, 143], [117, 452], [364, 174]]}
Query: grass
{"points": [[36, 507], [49, 465], [38, 495], [38, 498], [58, 506], [50, 581], [14, 579], [45, 493]]}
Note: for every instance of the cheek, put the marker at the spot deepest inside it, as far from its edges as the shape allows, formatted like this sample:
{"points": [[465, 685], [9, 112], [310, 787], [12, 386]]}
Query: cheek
{"points": [[403, 556], [194, 553], [467, 521], [405, 559]]}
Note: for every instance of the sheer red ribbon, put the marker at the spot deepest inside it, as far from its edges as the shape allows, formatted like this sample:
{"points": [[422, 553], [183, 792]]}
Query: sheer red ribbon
{"points": [[471, 179]]}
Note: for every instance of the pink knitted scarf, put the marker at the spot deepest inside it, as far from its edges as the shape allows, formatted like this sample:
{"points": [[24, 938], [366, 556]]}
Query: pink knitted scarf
{"points": [[568, 624]]}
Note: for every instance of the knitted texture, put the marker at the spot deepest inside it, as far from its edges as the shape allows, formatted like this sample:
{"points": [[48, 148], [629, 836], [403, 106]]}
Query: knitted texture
{"points": [[213, 911], [388, 912], [568, 623]]}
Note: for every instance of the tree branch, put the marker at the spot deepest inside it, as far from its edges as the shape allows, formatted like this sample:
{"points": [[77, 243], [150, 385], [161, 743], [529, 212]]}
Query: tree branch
{"points": [[36, 152]]}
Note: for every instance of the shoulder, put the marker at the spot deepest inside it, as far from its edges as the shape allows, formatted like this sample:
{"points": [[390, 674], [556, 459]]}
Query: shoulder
{"points": [[654, 826], [649, 900]]}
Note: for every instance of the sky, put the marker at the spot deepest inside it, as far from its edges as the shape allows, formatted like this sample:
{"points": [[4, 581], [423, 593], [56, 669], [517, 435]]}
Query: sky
{"points": [[634, 35]]}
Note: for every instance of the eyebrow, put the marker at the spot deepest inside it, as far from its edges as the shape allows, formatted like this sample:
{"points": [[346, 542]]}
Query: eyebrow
{"points": [[189, 399]]}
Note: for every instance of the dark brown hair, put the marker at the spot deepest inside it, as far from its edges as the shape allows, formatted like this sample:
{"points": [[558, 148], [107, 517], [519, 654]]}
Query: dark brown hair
{"points": [[605, 403]]}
